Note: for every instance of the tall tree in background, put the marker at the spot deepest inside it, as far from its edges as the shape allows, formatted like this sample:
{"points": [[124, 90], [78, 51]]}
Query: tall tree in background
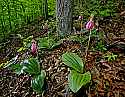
{"points": [[64, 16]]}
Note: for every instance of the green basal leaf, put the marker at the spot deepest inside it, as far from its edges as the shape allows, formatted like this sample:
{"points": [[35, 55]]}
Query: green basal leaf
{"points": [[56, 44], [32, 66], [77, 80], [43, 43], [74, 61], [18, 68], [38, 82], [48, 43]]}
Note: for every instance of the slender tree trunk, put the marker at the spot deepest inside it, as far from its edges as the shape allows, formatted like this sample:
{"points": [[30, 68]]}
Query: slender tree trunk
{"points": [[64, 17], [46, 9]]}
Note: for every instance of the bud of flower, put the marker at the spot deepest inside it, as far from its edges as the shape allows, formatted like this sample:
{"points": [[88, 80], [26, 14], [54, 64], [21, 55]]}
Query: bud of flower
{"points": [[34, 47], [90, 25], [80, 18]]}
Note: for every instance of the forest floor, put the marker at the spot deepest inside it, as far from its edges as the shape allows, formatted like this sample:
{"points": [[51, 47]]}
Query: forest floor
{"points": [[108, 77]]}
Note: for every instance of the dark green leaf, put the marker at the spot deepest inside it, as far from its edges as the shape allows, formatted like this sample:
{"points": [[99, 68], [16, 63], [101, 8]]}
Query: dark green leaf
{"points": [[18, 68], [57, 43], [32, 66], [38, 82]]}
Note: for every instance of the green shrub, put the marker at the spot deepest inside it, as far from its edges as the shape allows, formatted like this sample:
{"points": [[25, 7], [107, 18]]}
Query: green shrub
{"points": [[17, 13]]}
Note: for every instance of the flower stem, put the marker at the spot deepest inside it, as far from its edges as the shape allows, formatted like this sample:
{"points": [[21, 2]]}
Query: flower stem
{"points": [[81, 25], [88, 44]]}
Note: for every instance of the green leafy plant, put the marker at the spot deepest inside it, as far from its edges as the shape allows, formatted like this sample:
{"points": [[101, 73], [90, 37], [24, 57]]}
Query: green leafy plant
{"points": [[80, 39], [110, 56], [31, 67], [77, 77], [100, 46], [48, 43], [44, 43], [97, 7], [15, 14], [51, 7]]}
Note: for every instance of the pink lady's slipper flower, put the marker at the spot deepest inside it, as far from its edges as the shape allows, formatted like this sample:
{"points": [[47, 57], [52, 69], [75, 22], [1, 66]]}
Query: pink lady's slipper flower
{"points": [[34, 47], [90, 25]]}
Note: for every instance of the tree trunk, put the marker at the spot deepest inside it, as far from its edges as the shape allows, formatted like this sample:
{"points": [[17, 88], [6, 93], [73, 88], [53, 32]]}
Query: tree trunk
{"points": [[64, 17]]}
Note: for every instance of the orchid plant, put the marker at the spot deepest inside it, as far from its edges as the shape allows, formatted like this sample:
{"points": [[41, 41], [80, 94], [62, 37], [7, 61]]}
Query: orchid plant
{"points": [[32, 68], [90, 27], [77, 77]]}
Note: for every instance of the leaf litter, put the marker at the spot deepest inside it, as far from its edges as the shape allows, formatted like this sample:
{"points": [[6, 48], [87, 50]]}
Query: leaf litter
{"points": [[108, 78]]}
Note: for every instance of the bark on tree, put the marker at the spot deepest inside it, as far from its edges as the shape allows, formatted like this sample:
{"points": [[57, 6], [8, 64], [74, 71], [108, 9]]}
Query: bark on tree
{"points": [[64, 16]]}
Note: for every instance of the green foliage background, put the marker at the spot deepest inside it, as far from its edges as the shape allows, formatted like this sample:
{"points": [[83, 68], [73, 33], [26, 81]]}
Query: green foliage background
{"points": [[16, 13], [98, 7], [51, 7]]}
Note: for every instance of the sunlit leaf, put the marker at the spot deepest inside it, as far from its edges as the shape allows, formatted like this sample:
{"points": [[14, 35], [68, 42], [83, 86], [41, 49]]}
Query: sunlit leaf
{"points": [[77, 80], [43, 43], [74, 61]]}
